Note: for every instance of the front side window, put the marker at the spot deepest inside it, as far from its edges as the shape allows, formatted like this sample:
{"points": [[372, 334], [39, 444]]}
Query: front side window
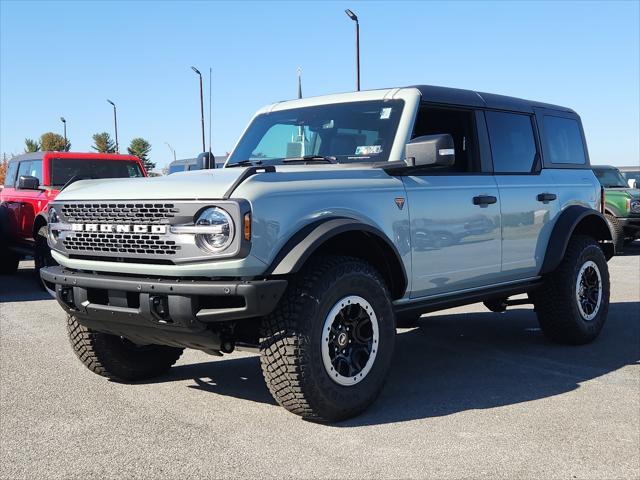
{"points": [[10, 177], [512, 142], [64, 169], [563, 140], [346, 132]]}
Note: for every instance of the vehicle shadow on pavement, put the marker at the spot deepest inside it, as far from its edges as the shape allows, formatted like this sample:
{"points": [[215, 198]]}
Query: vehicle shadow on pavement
{"points": [[461, 362], [23, 286], [234, 377], [458, 362]]}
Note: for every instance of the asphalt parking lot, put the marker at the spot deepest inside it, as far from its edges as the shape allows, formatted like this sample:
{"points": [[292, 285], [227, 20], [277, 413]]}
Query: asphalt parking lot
{"points": [[471, 394]]}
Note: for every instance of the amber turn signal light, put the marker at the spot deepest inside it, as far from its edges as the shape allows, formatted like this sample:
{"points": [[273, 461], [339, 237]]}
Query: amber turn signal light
{"points": [[247, 226]]}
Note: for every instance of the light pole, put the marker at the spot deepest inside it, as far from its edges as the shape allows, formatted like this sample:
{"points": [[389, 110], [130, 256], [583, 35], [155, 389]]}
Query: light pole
{"points": [[354, 17], [115, 123], [201, 108], [64, 122], [172, 150]]}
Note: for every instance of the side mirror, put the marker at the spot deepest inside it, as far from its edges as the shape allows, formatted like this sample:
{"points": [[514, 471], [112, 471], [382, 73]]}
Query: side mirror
{"points": [[27, 182], [431, 150], [632, 183]]}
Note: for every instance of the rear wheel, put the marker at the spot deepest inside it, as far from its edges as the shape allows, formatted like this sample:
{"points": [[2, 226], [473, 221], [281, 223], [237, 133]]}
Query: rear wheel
{"points": [[573, 303], [327, 347], [117, 358]]}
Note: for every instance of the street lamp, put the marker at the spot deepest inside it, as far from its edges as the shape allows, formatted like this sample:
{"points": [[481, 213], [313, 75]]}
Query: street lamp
{"points": [[354, 17], [115, 123], [201, 107], [64, 122], [172, 150]]}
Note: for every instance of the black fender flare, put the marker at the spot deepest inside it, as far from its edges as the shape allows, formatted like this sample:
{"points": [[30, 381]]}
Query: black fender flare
{"points": [[293, 255], [575, 219]]}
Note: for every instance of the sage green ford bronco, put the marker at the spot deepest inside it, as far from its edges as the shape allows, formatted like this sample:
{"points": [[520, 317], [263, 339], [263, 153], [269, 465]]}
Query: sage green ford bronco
{"points": [[622, 205]]}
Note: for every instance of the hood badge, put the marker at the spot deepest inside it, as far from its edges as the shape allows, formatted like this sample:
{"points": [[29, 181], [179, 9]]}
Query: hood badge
{"points": [[399, 202]]}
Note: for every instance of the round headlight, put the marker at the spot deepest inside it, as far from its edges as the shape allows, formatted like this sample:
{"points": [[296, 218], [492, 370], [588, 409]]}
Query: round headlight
{"points": [[220, 237]]}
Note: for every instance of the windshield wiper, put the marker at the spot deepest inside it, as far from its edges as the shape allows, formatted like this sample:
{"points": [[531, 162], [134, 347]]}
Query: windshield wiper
{"points": [[75, 178], [245, 163], [311, 158]]}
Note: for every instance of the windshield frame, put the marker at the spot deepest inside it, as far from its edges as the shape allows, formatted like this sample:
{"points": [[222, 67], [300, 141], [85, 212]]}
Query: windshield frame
{"points": [[410, 96]]}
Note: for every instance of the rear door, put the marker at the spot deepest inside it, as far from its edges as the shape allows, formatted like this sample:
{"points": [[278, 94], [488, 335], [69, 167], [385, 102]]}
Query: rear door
{"points": [[528, 196]]}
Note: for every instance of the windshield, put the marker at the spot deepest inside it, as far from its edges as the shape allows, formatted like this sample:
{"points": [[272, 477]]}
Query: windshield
{"points": [[610, 178], [342, 132], [63, 169]]}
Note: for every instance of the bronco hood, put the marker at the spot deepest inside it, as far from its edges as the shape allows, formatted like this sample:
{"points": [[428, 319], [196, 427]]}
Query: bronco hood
{"points": [[201, 184]]}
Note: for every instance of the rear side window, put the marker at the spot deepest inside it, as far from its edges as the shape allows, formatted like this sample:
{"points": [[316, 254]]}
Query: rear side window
{"points": [[563, 140], [10, 178], [513, 146]]}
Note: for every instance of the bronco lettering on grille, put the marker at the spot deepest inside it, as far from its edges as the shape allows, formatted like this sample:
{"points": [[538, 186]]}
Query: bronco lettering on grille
{"points": [[118, 228]]}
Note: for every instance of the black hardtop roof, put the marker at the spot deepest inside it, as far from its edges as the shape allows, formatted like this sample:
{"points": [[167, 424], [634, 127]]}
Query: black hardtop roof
{"points": [[471, 98]]}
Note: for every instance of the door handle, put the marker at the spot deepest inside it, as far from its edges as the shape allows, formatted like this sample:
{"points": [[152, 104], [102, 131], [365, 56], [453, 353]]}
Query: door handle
{"points": [[546, 197], [484, 200]]}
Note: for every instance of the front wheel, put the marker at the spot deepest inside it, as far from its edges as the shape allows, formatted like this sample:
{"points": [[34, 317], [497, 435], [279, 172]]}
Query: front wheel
{"points": [[327, 348], [573, 303], [117, 358], [42, 258]]}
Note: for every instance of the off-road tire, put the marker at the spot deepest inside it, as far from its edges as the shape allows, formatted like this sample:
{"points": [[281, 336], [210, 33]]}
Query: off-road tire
{"points": [[555, 303], [291, 337], [42, 257], [116, 358], [617, 232]]}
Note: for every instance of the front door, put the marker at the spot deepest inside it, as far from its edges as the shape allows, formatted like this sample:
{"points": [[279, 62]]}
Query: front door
{"points": [[455, 232], [454, 211]]}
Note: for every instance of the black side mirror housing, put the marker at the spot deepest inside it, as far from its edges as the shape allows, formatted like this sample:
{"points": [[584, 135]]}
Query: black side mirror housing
{"points": [[431, 150], [27, 182]]}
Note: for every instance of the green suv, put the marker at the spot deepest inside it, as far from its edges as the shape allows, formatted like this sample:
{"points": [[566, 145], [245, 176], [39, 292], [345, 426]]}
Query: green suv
{"points": [[622, 205]]}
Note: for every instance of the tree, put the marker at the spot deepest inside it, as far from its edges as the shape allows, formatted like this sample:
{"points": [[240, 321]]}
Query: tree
{"points": [[3, 169], [52, 142], [141, 148], [31, 145], [103, 143]]}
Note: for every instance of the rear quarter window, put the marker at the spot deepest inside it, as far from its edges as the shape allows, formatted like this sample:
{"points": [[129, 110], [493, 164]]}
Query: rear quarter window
{"points": [[563, 141]]}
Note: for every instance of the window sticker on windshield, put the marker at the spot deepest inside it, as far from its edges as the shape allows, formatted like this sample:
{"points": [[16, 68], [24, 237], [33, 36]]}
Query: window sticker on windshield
{"points": [[385, 113], [368, 149]]}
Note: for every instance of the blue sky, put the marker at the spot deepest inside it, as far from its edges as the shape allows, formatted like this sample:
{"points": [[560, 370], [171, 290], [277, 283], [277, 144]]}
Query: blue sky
{"points": [[67, 58]]}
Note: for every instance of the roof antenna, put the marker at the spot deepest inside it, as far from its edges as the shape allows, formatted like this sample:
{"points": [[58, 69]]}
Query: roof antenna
{"points": [[299, 82], [211, 159]]}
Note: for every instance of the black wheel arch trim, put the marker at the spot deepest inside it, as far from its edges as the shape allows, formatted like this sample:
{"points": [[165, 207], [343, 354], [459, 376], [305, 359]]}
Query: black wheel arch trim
{"points": [[293, 255], [570, 219]]}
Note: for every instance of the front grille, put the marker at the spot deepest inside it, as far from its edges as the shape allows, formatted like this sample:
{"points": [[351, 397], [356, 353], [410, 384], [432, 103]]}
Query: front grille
{"points": [[117, 243], [139, 213]]}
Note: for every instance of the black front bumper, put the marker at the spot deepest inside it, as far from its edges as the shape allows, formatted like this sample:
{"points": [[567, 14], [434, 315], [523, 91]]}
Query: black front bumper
{"points": [[179, 312]]}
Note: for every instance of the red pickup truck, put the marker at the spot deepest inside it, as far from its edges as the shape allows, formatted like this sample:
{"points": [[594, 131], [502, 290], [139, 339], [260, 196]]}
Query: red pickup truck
{"points": [[32, 181]]}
